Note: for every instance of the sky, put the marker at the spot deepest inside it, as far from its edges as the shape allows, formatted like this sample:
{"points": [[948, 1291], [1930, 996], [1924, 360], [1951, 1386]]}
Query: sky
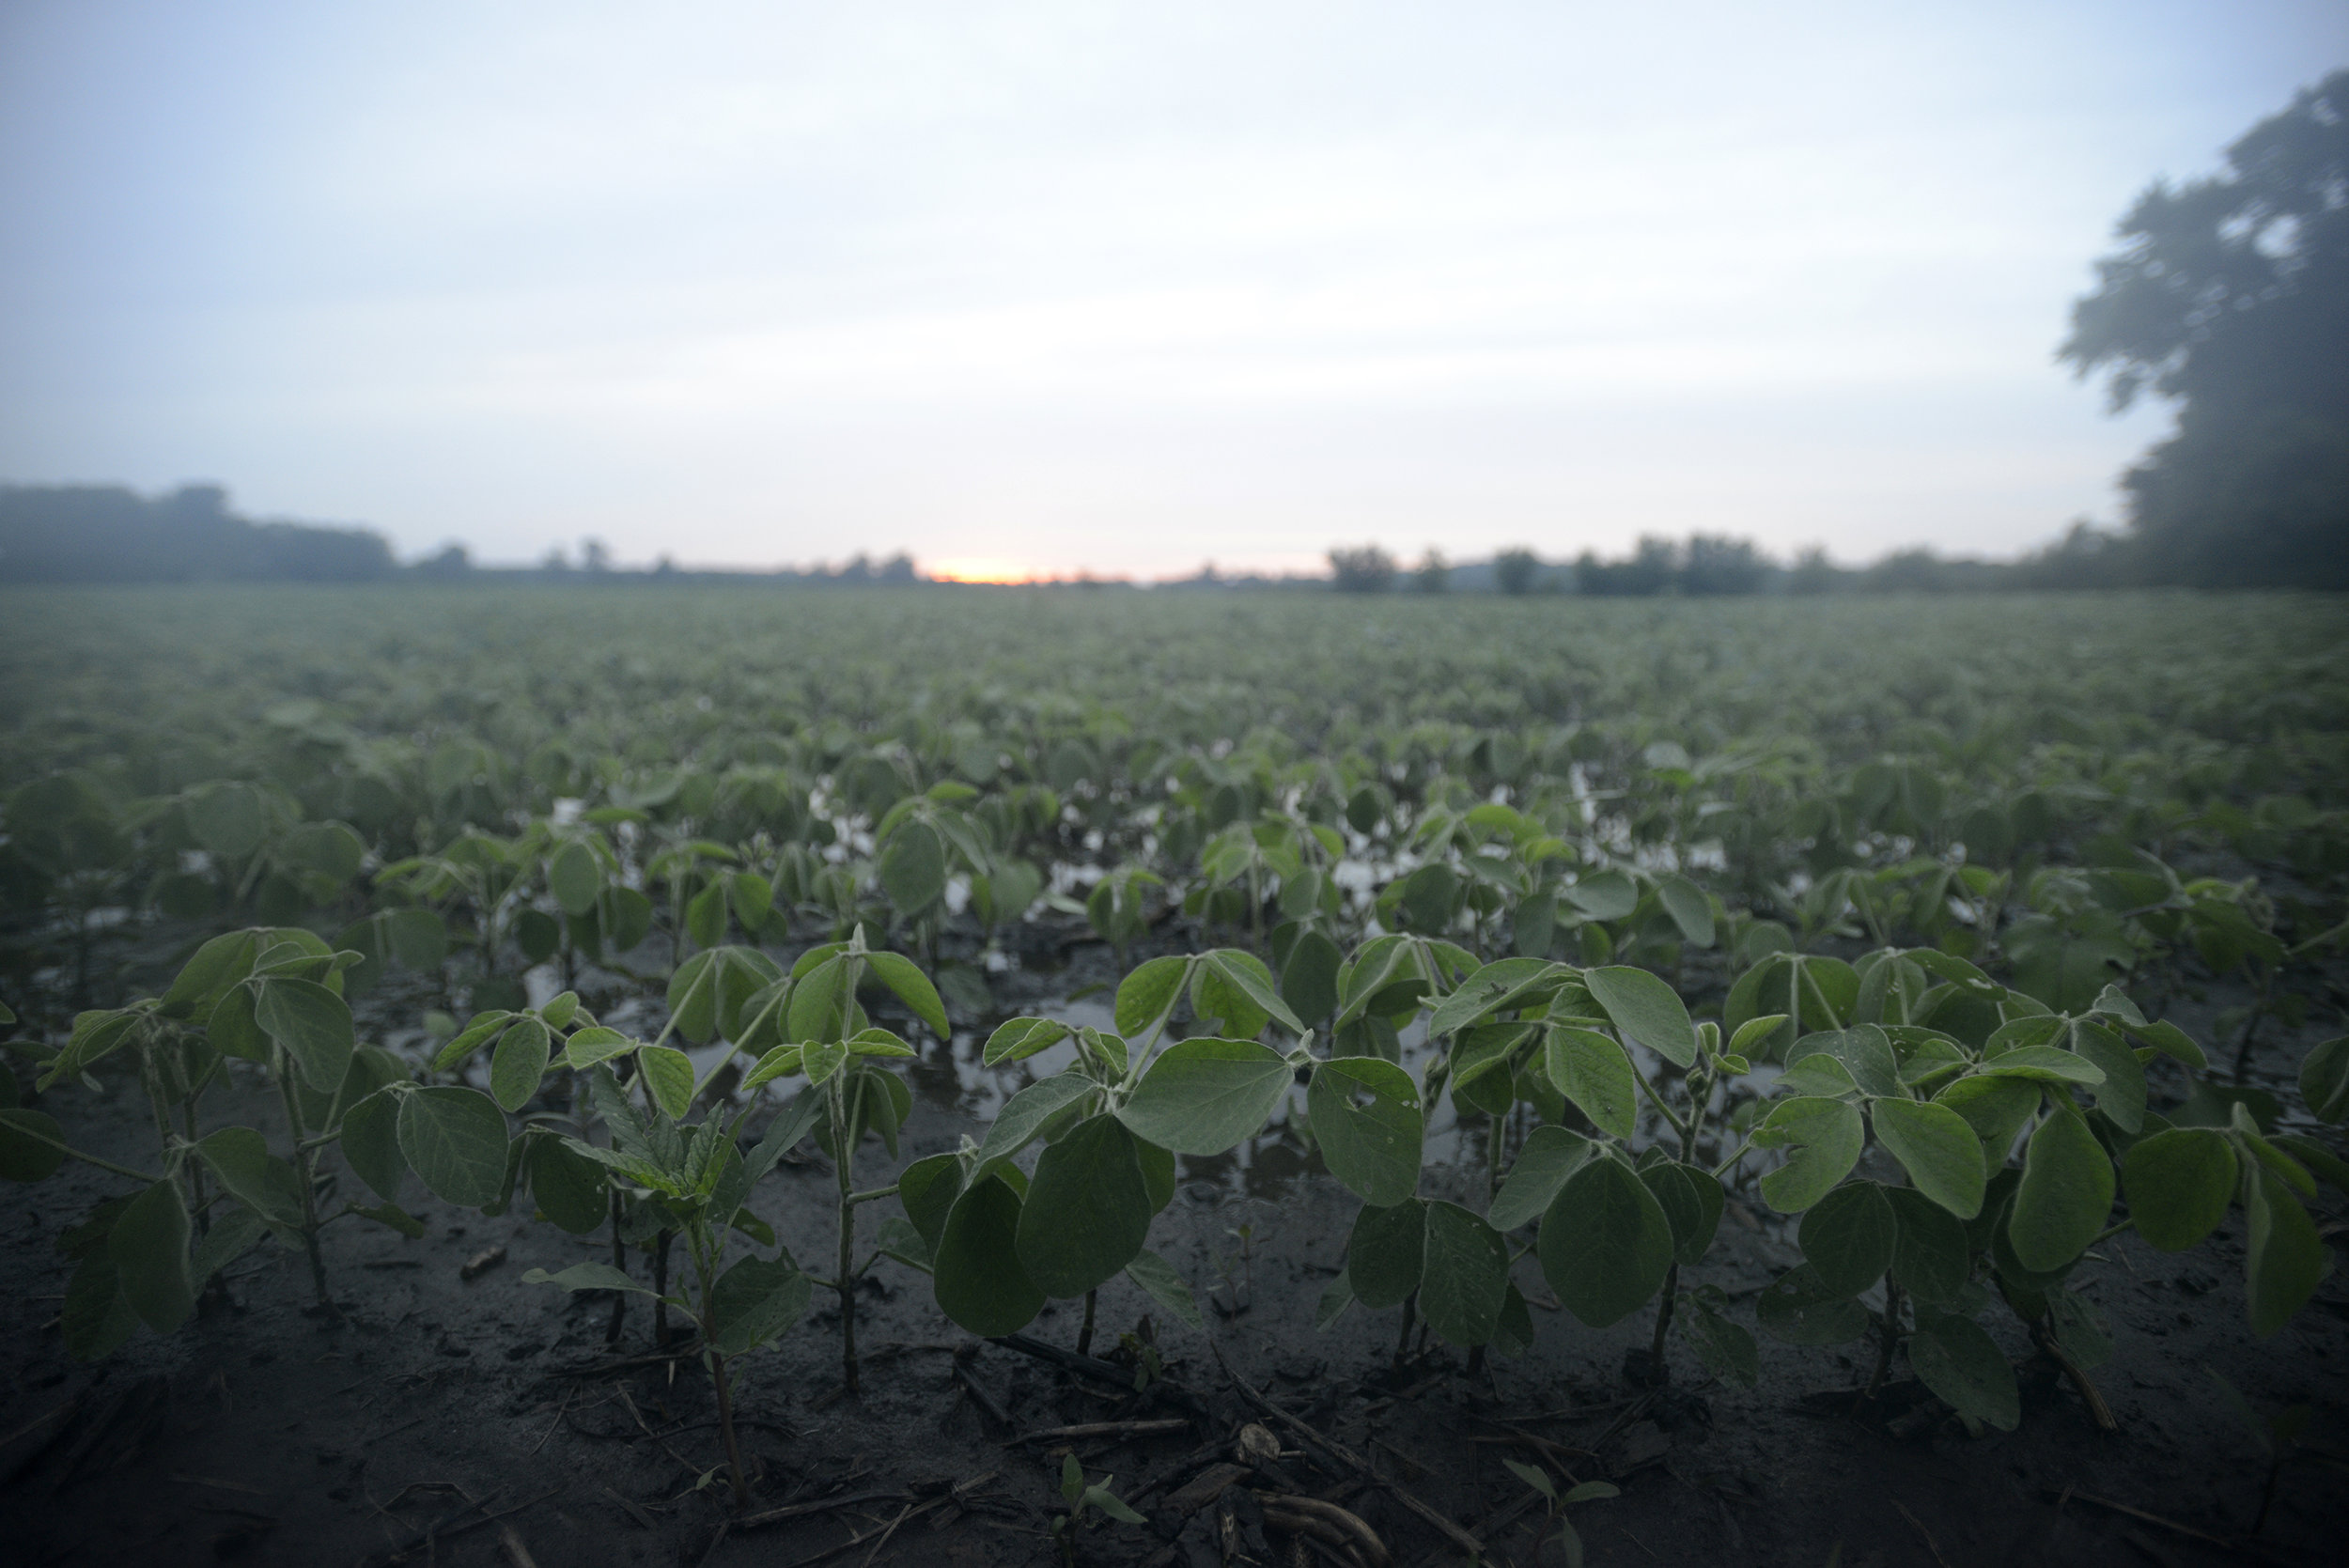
{"points": [[1033, 290]]}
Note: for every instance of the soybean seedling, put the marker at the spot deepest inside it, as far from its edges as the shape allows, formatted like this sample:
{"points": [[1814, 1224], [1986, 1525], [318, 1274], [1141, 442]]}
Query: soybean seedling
{"points": [[1082, 1499], [1555, 1504]]}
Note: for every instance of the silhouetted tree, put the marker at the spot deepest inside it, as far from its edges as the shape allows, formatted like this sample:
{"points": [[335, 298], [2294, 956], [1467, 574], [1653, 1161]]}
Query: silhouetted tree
{"points": [[1363, 570], [1715, 564], [110, 533], [1814, 573], [451, 564], [1433, 574], [1514, 570], [2230, 295]]}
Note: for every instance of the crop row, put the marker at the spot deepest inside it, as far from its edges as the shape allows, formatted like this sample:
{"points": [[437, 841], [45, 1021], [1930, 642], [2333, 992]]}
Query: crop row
{"points": [[2008, 1130]]}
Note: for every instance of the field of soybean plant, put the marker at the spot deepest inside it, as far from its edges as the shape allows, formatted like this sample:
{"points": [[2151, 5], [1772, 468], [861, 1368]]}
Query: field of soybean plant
{"points": [[710, 1075]]}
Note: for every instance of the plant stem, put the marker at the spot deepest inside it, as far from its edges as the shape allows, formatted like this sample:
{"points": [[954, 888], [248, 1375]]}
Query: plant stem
{"points": [[660, 1289], [21, 1130], [1663, 1323], [305, 1171], [717, 1379], [1402, 1341], [619, 1261], [1889, 1336], [844, 1149]]}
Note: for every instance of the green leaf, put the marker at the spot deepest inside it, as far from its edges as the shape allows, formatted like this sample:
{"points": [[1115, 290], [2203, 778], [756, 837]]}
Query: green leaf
{"points": [[1691, 1199], [1864, 1051], [692, 996], [483, 1027], [574, 877], [269, 1186], [1017, 1039], [2044, 1064], [206, 977], [1688, 908], [1930, 1257], [567, 1186], [233, 1234], [1606, 1244], [1367, 1117], [1385, 1253], [455, 1141], [1847, 1238], [371, 1144], [978, 1280], [1592, 1070], [706, 916], [1202, 1097], [1797, 1309], [1159, 1281], [914, 868], [1963, 1365], [914, 988], [149, 1249], [519, 1063], [1143, 996], [821, 1059], [1726, 1348], [926, 1189], [312, 1025], [790, 1124], [669, 1074], [2066, 1195], [99, 1319], [1087, 1211], [1495, 987], [1026, 1112], [588, 1276], [755, 1302], [29, 1142], [226, 819], [2122, 1094], [1646, 1010], [1548, 1157], [1336, 1297], [1827, 1136], [1465, 1279], [1937, 1148], [778, 1062], [1603, 896], [1247, 974], [596, 1043], [2286, 1261], [1309, 980], [1995, 1107], [2179, 1182], [2325, 1080]]}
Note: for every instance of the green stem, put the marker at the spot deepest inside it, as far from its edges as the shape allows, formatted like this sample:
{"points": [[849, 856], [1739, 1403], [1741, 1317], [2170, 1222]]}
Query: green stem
{"points": [[844, 1147], [1890, 1335], [305, 1171], [1657, 1102], [718, 1380], [1085, 1335], [871, 1194], [21, 1130]]}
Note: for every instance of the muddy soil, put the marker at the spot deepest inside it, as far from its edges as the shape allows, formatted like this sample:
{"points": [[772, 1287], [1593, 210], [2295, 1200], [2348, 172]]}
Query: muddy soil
{"points": [[451, 1414]]}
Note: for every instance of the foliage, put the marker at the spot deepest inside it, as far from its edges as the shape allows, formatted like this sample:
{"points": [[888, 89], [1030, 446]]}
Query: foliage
{"points": [[2230, 295]]}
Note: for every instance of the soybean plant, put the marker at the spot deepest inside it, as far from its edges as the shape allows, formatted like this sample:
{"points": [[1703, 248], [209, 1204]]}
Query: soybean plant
{"points": [[999, 1242]]}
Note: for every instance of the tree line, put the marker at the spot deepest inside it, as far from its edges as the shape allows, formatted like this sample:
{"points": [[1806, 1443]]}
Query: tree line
{"points": [[1714, 565]]}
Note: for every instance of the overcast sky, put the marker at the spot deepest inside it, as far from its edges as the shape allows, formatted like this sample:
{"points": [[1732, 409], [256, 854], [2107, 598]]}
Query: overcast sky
{"points": [[1052, 288]]}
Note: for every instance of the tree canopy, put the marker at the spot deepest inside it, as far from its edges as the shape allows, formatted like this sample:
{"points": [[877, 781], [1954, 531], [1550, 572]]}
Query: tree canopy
{"points": [[2230, 295]]}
